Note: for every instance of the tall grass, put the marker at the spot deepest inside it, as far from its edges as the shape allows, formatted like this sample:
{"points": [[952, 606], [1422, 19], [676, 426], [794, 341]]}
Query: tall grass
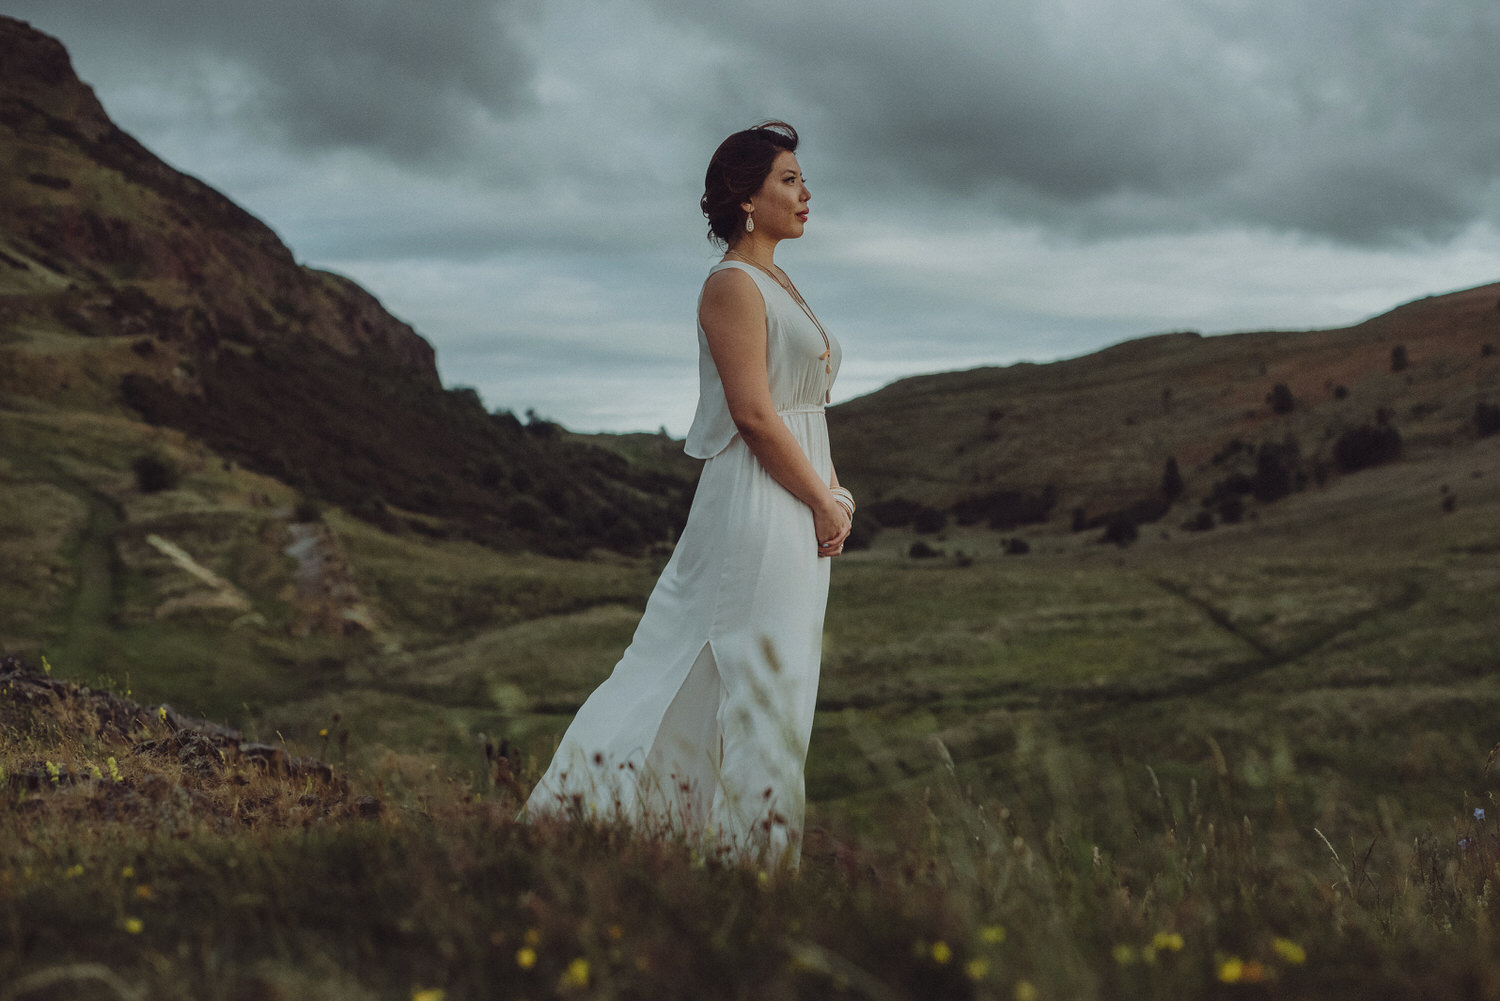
{"points": [[176, 873]]}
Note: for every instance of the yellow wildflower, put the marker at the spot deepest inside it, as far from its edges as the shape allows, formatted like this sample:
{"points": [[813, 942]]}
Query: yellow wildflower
{"points": [[992, 934], [46, 667], [941, 953], [114, 768], [128, 872], [1124, 954], [1167, 941], [1289, 951], [977, 969], [577, 973], [532, 936], [53, 772], [323, 733], [526, 957], [428, 994], [1026, 991], [73, 871], [161, 713], [1231, 970], [134, 926]]}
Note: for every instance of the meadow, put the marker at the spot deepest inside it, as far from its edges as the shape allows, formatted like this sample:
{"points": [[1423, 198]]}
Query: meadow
{"points": [[1249, 762]]}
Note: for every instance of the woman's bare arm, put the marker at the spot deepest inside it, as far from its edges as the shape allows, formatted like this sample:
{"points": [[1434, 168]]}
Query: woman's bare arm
{"points": [[733, 317]]}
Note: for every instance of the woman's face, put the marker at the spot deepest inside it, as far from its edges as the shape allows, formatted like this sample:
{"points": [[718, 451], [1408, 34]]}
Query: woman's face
{"points": [[780, 206]]}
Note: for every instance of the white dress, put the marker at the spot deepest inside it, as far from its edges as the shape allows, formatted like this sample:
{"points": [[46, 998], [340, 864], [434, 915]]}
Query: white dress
{"points": [[702, 728]]}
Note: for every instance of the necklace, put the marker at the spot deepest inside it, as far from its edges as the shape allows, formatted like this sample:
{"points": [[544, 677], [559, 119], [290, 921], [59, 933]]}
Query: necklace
{"points": [[786, 283]]}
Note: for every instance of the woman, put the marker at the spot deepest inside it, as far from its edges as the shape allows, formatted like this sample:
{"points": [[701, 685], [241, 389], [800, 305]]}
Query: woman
{"points": [[702, 728]]}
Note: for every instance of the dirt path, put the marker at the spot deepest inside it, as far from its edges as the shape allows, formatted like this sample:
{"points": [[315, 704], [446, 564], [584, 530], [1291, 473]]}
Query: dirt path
{"points": [[89, 646]]}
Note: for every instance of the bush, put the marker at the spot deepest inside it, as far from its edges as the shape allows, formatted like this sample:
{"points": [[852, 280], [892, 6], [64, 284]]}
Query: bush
{"points": [[1273, 478], [1486, 419], [862, 532], [1366, 446], [1398, 358], [307, 511], [1171, 481], [1203, 521], [155, 472], [1004, 510], [895, 512], [1121, 531], [1280, 399], [1016, 547], [929, 520], [922, 551]]}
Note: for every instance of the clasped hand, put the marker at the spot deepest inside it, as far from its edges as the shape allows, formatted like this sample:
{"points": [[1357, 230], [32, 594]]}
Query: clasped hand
{"points": [[831, 526]]}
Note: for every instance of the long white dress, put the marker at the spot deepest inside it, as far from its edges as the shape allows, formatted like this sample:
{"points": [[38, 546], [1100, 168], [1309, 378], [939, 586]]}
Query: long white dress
{"points": [[703, 726]]}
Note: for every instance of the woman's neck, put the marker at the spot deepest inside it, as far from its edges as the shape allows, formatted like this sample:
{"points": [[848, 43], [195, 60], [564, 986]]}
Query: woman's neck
{"points": [[760, 251]]}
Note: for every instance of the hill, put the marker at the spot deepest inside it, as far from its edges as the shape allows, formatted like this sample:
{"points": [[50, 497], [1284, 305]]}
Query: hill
{"points": [[1035, 443], [129, 289]]}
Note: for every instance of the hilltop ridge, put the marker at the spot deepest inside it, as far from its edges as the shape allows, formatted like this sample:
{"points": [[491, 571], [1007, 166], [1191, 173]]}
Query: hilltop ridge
{"points": [[1095, 433]]}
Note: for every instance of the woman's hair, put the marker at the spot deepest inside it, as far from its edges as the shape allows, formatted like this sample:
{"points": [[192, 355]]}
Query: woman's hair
{"points": [[739, 167]]}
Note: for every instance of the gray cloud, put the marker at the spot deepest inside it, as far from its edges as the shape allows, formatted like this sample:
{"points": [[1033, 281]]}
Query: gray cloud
{"points": [[1360, 122], [412, 82], [992, 181]]}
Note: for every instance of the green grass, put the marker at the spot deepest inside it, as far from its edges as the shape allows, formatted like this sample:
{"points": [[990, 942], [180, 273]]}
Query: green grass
{"points": [[1277, 731], [1071, 872]]}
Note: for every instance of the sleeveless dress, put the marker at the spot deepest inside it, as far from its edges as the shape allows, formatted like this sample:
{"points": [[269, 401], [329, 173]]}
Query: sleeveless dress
{"points": [[702, 727]]}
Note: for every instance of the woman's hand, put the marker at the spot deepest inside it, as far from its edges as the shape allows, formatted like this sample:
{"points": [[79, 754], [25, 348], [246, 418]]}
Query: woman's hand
{"points": [[831, 527]]}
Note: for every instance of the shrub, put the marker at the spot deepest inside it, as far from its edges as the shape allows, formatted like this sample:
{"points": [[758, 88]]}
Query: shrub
{"points": [[922, 551], [1121, 531], [1280, 399], [155, 472], [862, 532], [1017, 547], [1004, 510], [1171, 481], [1486, 419], [1366, 446], [1340, 392], [1398, 358], [1273, 480], [895, 512], [307, 511], [1231, 511], [929, 520], [1203, 521]]}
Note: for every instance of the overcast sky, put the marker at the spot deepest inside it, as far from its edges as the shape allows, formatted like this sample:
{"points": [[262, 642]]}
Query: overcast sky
{"points": [[992, 181]]}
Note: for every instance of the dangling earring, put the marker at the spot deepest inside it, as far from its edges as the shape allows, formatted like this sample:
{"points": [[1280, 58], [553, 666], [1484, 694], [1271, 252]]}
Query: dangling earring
{"points": [[749, 222]]}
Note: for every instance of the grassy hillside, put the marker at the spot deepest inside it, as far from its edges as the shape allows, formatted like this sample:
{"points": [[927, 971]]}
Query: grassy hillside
{"points": [[1099, 429], [1249, 757]]}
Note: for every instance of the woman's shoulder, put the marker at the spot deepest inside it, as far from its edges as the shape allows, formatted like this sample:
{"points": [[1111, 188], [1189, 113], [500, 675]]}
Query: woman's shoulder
{"points": [[732, 280]]}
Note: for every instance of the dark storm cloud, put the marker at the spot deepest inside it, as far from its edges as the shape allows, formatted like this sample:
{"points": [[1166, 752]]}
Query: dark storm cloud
{"points": [[1365, 122], [409, 81]]}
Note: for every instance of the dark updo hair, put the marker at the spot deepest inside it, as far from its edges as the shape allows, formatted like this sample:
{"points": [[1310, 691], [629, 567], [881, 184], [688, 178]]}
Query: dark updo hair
{"points": [[739, 167]]}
